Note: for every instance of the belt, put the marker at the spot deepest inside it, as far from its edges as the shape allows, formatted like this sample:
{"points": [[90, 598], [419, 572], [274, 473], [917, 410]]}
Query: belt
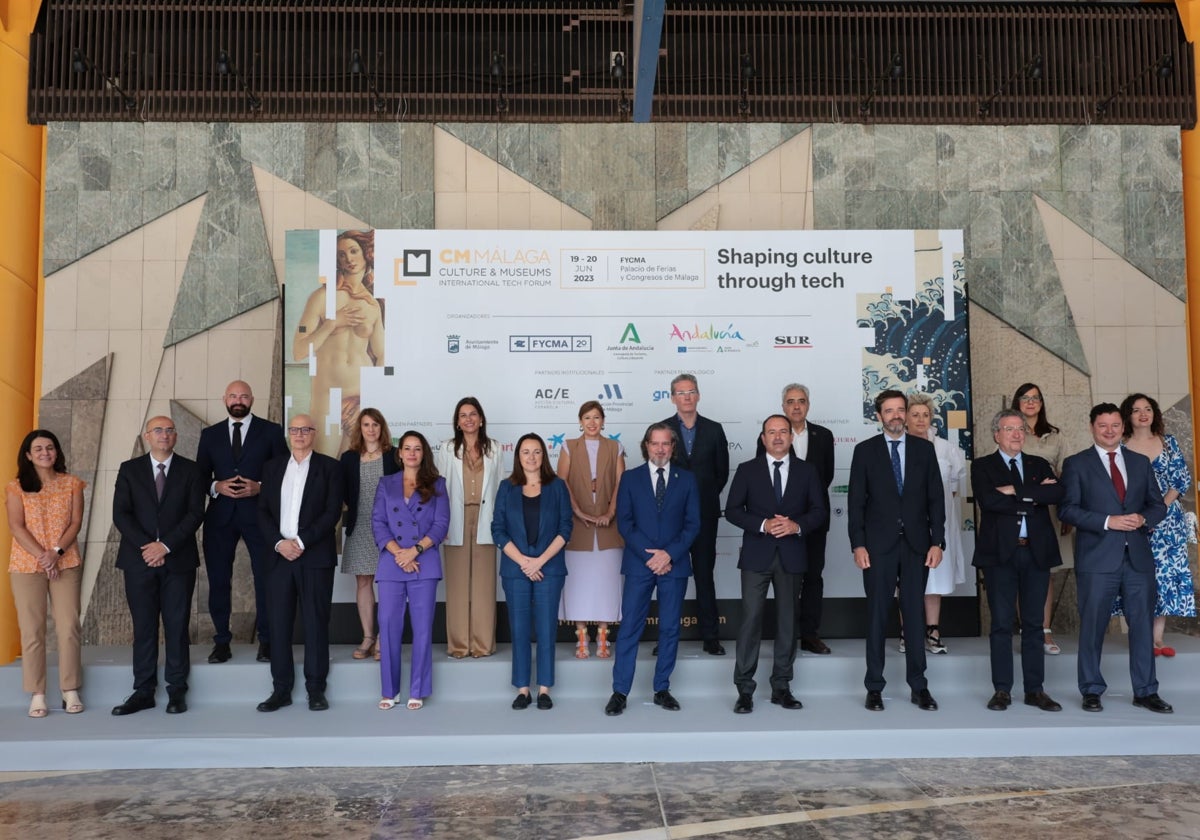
{"points": [[1022, 541]]}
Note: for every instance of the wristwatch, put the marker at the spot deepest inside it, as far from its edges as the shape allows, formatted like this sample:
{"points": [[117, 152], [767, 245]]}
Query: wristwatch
{"points": [[59, 551], [419, 548]]}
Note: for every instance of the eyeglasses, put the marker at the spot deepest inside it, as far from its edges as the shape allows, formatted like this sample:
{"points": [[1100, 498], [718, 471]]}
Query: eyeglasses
{"points": [[159, 430], [1030, 399], [690, 393], [300, 430], [1008, 430]]}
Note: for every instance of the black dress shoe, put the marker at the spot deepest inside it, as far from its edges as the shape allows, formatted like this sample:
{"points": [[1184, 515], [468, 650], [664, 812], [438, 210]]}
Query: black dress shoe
{"points": [[1042, 700], [1091, 703], [813, 644], [874, 701], [654, 651], [317, 701], [220, 653], [663, 698], [1154, 703], [544, 702], [713, 647], [924, 701], [783, 697], [136, 702], [264, 652], [176, 702], [615, 705], [275, 702], [1001, 700], [744, 704], [522, 701]]}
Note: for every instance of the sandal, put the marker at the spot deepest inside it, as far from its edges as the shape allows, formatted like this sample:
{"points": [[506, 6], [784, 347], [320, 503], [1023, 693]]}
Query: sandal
{"points": [[581, 643], [602, 649], [933, 639], [72, 705], [364, 650], [37, 706], [387, 703], [376, 651], [415, 703], [1048, 644]]}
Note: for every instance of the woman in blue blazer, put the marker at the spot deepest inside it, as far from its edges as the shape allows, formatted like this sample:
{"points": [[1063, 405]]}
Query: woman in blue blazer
{"points": [[410, 519], [531, 523]]}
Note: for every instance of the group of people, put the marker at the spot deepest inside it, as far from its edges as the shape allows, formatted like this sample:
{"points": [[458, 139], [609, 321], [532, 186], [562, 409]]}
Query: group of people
{"points": [[592, 543]]}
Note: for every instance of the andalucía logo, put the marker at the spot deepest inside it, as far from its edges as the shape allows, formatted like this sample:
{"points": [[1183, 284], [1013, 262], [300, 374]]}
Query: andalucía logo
{"points": [[709, 333]]}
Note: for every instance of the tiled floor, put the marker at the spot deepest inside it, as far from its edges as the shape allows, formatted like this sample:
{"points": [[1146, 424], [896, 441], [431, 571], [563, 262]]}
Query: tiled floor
{"points": [[948, 799]]}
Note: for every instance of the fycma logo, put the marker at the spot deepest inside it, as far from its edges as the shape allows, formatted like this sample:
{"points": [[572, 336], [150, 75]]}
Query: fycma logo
{"points": [[550, 344]]}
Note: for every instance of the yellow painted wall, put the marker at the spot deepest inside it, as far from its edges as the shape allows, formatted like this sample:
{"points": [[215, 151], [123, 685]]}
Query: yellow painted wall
{"points": [[22, 149]]}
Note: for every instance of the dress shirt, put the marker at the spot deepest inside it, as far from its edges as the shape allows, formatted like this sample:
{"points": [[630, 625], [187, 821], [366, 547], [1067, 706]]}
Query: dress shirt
{"points": [[290, 497], [1103, 453], [666, 468], [688, 434], [245, 421], [899, 449], [1024, 532], [800, 443], [154, 477], [783, 478]]}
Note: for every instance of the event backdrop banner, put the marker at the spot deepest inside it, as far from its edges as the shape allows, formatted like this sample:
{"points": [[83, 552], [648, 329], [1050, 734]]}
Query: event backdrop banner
{"points": [[534, 323]]}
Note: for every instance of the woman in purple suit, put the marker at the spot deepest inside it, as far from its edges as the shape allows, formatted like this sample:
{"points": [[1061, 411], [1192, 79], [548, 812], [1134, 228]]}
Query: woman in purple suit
{"points": [[410, 520]]}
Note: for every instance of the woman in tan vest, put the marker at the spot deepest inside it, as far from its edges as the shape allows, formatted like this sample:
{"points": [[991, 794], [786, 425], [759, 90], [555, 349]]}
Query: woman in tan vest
{"points": [[591, 465]]}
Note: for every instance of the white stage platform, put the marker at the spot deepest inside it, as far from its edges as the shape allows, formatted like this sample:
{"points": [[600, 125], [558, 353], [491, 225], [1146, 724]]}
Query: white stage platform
{"points": [[468, 720]]}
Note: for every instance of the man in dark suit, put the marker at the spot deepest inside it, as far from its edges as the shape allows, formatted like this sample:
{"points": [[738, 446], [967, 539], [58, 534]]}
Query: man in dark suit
{"points": [[776, 500], [658, 516], [1113, 500], [158, 504], [298, 510], [705, 452], [1016, 546], [897, 521], [231, 455]]}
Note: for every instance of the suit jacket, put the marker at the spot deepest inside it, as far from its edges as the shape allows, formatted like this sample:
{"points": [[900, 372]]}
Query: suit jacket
{"points": [[874, 508], [351, 462], [320, 509], [643, 526], [1000, 517], [142, 518], [752, 500], [709, 460], [262, 441], [408, 522], [1089, 498], [555, 520], [820, 454]]}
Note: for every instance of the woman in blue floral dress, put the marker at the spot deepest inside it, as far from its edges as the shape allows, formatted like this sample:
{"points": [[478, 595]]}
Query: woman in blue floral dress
{"points": [[1144, 433]]}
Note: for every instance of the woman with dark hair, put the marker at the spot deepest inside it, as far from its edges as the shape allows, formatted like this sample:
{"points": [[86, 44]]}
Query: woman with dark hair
{"points": [[1043, 439], [591, 465], [531, 524], [470, 463], [409, 521], [45, 512], [368, 459], [1145, 432], [340, 347]]}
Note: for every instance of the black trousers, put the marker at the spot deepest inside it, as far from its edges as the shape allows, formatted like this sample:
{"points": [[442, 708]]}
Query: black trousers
{"points": [[1019, 582], [903, 567], [287, 585], [812, 585], [155, 594], [749, 639], [704, 561]]}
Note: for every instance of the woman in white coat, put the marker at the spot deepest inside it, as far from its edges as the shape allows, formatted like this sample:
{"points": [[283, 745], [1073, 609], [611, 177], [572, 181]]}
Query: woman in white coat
{"points": [[470, 463]]}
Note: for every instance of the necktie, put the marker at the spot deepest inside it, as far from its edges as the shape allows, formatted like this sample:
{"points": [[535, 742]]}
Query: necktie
{"points": [[1016, 480], [778, 482], [237, 441], [660, 489], [1117, 479], [896, 471], [160, 480]]}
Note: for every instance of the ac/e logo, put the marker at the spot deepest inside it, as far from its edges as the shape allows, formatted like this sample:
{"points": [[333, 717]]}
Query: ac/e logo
{"points": [[552, 394]]}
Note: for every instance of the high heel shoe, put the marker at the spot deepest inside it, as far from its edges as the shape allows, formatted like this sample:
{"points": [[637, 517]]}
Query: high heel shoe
{"points": [[581, 643], [37, 706], [72, 705], [933, 639], [602, 649], [363, 651]]}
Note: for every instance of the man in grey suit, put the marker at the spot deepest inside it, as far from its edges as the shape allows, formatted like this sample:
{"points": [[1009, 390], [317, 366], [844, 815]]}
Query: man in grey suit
{"points": [[1111, 497]]}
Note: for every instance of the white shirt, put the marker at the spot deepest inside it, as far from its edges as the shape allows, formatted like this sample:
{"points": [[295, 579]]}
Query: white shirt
{"points": [[666, 475], [245, 421], [291, 494], [154, 466], [1103, 453], [900, 449], [800, 443], [783, 468]]}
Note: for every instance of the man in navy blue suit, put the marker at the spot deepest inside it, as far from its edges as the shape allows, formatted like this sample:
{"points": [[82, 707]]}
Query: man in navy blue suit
{"points": [[1113, 500], [658, 515], [231, 455], [896, 513], [777, 500]]}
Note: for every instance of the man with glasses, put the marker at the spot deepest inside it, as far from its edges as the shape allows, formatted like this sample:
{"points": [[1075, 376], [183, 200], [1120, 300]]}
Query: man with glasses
{"points": [[1016, 547], [704, 451], [231, 455], [158, 504], [298, 511]]}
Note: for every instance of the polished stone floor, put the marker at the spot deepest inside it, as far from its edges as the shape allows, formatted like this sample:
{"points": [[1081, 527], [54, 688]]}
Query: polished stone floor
{"points": [[1114, 798]]}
